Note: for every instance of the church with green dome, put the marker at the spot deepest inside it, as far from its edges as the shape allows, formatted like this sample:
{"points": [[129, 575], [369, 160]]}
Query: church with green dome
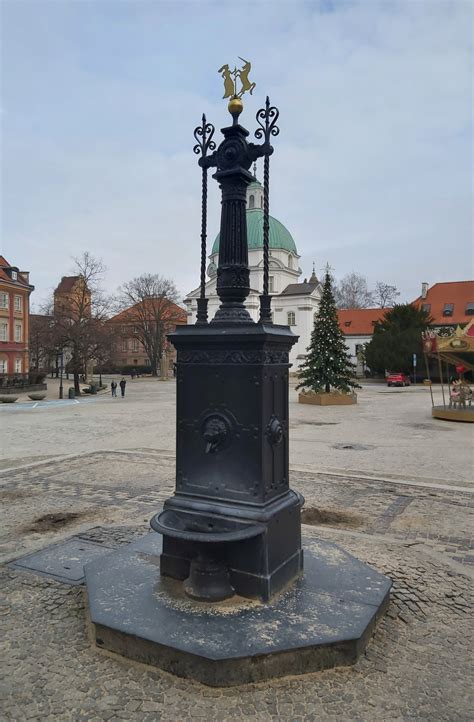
{"points": [[294, 303]]}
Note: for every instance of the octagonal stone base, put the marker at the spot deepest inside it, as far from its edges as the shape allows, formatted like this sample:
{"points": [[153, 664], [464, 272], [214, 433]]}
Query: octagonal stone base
{"points": [[323, 620]]}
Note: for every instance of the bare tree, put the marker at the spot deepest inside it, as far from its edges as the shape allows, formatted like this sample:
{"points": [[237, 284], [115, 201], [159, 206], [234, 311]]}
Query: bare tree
{"points": [[79, 314], [385, 295], [41, 341], [102, 346], [150, 310], [352, 292]]}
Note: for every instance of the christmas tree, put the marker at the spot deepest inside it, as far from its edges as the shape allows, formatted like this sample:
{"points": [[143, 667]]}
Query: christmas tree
{"points": [[327, 364]]}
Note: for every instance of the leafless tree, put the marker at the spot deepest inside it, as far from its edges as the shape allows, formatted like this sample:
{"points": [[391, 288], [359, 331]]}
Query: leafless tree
{"points": [[149, 304], [79, 315], [385, 295], [352, 292], [41, 341]]}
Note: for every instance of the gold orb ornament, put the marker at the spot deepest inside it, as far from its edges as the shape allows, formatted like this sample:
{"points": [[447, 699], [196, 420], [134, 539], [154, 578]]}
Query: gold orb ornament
{"points": [[235, 106]]}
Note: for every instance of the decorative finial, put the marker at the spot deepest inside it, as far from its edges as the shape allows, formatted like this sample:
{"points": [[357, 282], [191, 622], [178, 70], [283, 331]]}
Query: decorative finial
{"points": [[255, 170], [236, 106]]}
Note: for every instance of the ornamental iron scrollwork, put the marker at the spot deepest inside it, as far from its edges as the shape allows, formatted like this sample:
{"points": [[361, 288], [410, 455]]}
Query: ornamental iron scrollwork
{"points": [[266, 118], [235, 356], [203, 134], [274, 431]]}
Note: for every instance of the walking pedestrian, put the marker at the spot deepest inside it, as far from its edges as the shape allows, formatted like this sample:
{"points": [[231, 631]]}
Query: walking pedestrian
{"points": [[113, 388], [122, 385]]}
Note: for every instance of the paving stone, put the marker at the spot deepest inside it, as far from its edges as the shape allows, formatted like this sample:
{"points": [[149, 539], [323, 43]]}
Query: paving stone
{"points": [[415, 666]]}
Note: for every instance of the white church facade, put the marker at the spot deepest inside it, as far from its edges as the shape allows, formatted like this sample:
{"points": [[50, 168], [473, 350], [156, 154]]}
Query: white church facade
{"points": [[294, 303]]}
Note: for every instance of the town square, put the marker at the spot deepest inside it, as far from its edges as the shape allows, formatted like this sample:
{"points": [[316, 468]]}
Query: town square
{"points": [[236, 368]]}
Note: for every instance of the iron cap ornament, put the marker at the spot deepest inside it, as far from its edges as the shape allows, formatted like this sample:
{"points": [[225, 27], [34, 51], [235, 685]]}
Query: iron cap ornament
{"points": [[231, 77], [233, 159]]}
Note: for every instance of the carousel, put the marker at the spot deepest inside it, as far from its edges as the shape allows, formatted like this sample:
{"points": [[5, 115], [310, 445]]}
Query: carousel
{"points": [[454, 359]]}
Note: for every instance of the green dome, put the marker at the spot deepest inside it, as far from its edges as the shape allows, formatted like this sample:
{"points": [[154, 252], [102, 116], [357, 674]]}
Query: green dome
{"points": [[278, 235]]}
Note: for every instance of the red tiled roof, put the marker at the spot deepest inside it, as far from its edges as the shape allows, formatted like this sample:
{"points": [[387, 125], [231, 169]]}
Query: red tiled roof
{"points": [[20, 280], [459, 293], [177, 313], [359, 321], [66, 284]]}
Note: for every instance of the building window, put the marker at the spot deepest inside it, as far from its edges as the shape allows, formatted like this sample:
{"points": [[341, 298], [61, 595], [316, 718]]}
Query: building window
{"points": [[3, 366], [17, 303], [134, 345], [290, 261], [124, 345], [252, 202], [4, 331], [271, 284], [315, 317], [18, 365], [14, 276], [136, 330], [3, 300], [470, 309], [347, 323], [448, 309], [426, 307], [18, 333], [291, 318]]}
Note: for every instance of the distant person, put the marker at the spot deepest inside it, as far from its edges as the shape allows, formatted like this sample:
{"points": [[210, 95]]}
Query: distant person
{"points": [[122, 385], [113, 388], [132, 374]]}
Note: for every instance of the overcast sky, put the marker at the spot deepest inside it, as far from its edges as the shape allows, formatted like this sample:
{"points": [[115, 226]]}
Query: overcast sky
{"points": [[371, 171]]}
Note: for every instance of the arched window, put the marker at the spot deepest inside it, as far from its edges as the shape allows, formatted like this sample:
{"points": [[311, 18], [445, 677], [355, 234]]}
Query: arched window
{"points": [[271, 284], [252, 202], [315, 317], [290, 261], [261, 201], [291, 318]]}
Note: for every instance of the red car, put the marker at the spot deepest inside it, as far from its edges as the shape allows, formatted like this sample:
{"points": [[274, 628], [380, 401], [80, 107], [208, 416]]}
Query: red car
{"points": [[398, 379]]}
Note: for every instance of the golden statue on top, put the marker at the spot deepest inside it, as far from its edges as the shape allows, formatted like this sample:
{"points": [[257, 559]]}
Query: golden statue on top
{"points": [[231, 77]]}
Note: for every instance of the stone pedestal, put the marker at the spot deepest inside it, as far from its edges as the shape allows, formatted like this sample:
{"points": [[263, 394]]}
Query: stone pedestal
{"points": [[325, 619]]}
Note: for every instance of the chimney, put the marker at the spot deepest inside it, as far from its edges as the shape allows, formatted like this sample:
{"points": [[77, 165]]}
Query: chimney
{"points": [[424, 289]]}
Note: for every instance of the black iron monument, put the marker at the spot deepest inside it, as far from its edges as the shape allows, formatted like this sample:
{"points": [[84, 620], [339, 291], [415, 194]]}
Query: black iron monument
{"points": [[232, 529]]}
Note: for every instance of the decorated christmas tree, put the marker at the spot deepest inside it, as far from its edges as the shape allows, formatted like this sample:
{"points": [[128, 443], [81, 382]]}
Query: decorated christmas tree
{"points": [[327, 364]]}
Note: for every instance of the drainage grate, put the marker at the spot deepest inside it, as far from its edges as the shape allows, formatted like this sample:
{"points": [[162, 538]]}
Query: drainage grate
{"points": [[63, 562]]}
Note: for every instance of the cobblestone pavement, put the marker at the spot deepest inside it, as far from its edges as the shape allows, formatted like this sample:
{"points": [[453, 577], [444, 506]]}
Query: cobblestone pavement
{"points": [[416, 666]]}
